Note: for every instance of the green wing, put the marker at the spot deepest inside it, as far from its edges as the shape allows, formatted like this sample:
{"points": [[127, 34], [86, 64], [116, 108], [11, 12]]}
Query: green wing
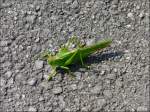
{"points": [[62, 52]]}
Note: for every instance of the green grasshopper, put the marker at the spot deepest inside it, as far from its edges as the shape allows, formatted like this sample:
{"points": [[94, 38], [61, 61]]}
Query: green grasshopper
{"points": [[66, 57]]}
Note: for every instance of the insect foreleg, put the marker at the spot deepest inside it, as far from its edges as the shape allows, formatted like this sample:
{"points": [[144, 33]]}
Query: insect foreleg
{"points": [[52, 74]]}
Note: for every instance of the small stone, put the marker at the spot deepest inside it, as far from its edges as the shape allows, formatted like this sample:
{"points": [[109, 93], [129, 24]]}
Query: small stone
{"points": [[41, 99], [54, 17], [86, 108], [137, 7], [11, 81], [130, 15], [10, 99], [102, 72], [115, 2], [5, 49], [107, 93], [142, 109], [128, 26], [37, 8], [15, 18], [32, 82], [90, 42], [8, 74], [141, 15], [57, 90], [45, 76], [32, 109], [3, 43], [96, 89], [71, 29], [3, 82], [18, 96], [73, 86], [119, 83], [78, 75], [111, 76], [20, 48], [23, 96], [61, 102], [115, 70], [31, 18], [88, 4], [37, 39], [39, 64], [128, 57], [101, 103], [45, 85], [74, 4], [68, 1], [80, 85]]}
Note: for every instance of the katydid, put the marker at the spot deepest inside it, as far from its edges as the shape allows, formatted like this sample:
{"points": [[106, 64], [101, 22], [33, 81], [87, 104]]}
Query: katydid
{"points": [[66, 57]]}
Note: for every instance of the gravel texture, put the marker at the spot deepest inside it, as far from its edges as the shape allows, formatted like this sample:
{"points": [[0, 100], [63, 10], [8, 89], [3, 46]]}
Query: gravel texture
{"points": [[118, 78]]}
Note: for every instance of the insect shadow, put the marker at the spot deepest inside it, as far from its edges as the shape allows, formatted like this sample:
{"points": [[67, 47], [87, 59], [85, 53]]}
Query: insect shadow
{"points": [[95, 58], [104, 56]]}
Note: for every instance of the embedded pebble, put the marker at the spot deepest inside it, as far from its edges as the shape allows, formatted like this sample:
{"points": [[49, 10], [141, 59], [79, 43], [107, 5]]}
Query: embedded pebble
{"points": [[8, 74], [3, 82], [107, 93], [141, 15], [115, 2], [78, 75], [68, 1], [128, 26], [3, 43], [32, 109], [39, 64], [5, 49], [119, 83], [32, 81], [31, 18], [142, 109], [41, 98], [130, 15], [90, 42], [102, 72], [115, 70], [74, 4], [73, 86], [61, 102], [101, 103], [23, 96], [10, 81], [37, 8], [111, 76], [86, 108], [96, 89], [57, 90]]}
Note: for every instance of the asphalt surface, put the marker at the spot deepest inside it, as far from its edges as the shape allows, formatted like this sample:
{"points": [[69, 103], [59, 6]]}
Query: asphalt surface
{"points": [[118, 78]]}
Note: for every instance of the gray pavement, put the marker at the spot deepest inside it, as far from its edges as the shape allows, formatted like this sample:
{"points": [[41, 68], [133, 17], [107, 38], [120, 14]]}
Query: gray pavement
{"points": [[118, 78]]}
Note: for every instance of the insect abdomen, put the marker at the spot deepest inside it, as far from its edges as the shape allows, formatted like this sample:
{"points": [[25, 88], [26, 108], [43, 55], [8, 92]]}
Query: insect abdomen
{"points": [[93, 48]]}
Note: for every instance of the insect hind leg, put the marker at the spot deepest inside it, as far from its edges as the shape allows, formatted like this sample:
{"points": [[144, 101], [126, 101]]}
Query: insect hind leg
{"points": [[68, 70], [81, 59]]}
